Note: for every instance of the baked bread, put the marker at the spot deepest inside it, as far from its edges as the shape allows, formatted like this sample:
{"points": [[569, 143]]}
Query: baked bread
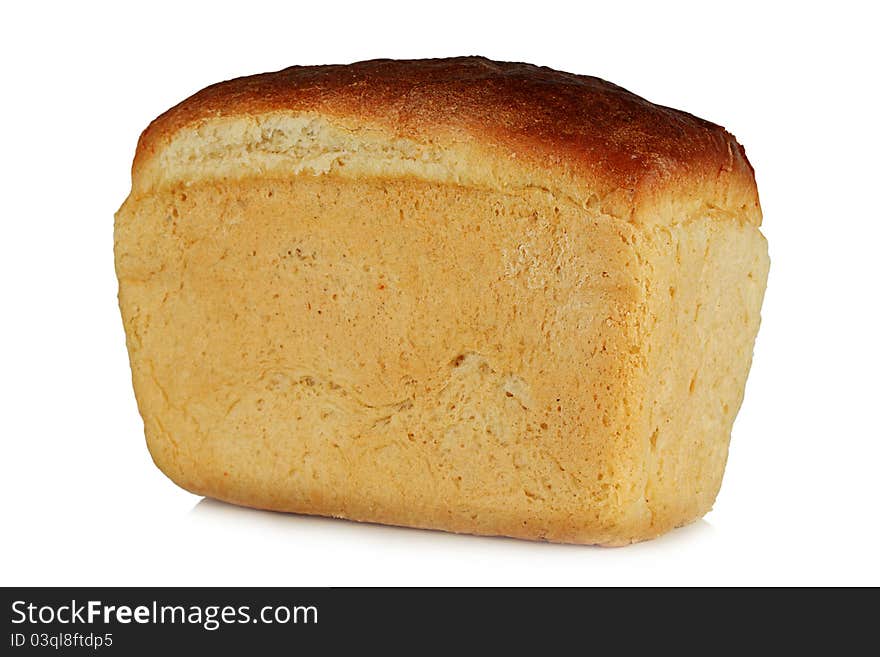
{"points": [[460, 294]]}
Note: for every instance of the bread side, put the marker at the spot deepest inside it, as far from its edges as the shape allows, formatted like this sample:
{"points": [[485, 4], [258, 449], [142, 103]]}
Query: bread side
{"points": [[317, 345], [704, 282]]}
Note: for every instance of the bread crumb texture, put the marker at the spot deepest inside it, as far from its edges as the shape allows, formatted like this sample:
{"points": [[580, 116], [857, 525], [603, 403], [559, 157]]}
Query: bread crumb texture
{"points": [[322, 319]]}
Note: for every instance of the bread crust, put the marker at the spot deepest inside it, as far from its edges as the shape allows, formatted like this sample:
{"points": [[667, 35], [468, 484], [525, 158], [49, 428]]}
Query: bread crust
{"points": [[575, 135]]}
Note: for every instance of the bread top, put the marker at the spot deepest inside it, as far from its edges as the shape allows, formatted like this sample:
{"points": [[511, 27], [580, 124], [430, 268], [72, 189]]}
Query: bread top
{"points": [[466, 120]]}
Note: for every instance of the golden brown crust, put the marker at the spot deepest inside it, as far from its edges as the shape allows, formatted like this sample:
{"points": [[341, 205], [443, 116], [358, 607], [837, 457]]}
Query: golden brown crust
{"points": [[597, 140]]}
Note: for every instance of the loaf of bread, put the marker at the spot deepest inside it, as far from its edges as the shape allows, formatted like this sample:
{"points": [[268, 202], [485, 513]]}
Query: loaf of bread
{"points": [[457, 294]]}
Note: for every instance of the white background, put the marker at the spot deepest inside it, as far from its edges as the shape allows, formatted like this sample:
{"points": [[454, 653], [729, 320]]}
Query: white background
{"points": [[82, 501]]}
